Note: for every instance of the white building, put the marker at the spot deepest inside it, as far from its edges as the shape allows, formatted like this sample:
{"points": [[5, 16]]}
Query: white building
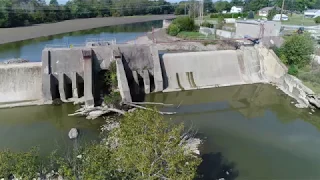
{"points": [[277, 17], [312, 13], [236, 9]]}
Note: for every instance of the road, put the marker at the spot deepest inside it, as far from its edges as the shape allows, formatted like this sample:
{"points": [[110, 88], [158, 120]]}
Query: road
{"points": [[8, 35]]}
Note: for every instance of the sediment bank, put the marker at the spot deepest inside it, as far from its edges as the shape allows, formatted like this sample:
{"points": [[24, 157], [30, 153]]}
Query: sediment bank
{"points": [[8, 35]]}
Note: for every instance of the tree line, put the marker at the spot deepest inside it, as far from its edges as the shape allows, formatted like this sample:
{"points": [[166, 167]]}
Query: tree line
{"points": [[15, 13], [248, 5]]}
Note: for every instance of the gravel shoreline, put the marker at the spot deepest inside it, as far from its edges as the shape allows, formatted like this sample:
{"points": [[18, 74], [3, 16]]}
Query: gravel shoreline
{"points": [[8, 35]]}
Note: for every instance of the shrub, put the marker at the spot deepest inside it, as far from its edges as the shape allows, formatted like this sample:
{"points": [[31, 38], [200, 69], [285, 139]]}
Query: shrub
{"points": [[317, 20], [173, 30], [24, 165], [111, 76], [207, 24], [184, 23], [114, 98], [297, 50], [221, 22], [293, 70], [251, 15], [234, 15], [272, 13]]}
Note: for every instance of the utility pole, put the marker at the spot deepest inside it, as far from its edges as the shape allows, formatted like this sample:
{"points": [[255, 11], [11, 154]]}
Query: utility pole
{"points": [[185, 8], [281, 10]]}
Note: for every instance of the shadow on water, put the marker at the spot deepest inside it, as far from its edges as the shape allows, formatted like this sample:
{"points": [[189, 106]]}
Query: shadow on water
{"points": [[215, 166]]}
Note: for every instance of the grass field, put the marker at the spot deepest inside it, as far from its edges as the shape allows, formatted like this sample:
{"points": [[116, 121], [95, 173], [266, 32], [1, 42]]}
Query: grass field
{"points": [[298, 19], [193, 35]]}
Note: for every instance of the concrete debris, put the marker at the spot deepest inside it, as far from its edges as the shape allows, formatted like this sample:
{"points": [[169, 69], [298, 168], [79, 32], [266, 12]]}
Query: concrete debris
{"points": [[312, 110], [73, 133], [192, 145], [310, 113]]}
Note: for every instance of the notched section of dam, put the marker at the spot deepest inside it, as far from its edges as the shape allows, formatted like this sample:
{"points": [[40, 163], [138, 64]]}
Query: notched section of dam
{"points": [[73, 73]]}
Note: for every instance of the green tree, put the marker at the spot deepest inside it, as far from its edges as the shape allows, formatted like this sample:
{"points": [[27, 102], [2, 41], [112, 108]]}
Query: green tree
{"points": [[272, 13], [236, 3], [251, 15], [207, 6], [151, 148], [220, 6], [317, 20], [297, 50], [54, 3]]}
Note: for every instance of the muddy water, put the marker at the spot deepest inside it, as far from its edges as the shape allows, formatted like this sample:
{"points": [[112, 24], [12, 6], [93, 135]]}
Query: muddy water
{"points": [[250, 132]]}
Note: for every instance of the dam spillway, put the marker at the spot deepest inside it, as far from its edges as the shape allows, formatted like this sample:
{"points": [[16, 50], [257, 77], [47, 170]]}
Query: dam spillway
{"points": [[73, 73]]}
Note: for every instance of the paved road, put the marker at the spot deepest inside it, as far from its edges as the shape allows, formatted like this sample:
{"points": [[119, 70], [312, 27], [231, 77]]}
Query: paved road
{"points": [[23, 33]]}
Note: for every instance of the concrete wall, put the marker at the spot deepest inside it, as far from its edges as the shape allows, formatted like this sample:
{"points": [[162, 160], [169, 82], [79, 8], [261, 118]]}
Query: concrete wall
{"points": [[253, 28], [20, 82], [225, 34], [209, 69]]}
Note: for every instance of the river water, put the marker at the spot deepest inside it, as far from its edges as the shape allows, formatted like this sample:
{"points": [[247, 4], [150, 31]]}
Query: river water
{"points": [[255, 130], [31, 49], [249, 132]]}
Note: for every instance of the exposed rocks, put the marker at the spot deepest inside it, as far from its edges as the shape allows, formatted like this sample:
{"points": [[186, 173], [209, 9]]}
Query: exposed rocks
{"points": [[314, 101], [192, 145], [73, 133]]}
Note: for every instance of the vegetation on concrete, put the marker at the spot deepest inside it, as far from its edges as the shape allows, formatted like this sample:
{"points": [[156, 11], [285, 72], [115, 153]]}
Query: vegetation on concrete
{"points": [[111, 76], [145, 146], [296, 54]]}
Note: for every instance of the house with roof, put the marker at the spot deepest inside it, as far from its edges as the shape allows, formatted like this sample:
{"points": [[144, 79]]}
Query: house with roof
{"points": [[236, 9], [312, 13], [264, 11]]}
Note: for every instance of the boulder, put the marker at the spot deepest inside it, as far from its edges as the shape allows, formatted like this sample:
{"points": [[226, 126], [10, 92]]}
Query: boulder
{"points": [[73, 133]]}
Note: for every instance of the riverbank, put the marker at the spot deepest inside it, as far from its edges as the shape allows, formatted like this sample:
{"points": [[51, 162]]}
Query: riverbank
{"points": [[8, 35]]}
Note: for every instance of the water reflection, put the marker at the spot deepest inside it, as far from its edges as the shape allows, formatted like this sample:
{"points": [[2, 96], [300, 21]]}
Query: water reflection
{"points": [[44, 126], [31, 49], [254, 127]]}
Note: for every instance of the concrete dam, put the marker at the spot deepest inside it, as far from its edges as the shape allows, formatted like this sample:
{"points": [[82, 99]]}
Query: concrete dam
{"points": [[73, 73]]}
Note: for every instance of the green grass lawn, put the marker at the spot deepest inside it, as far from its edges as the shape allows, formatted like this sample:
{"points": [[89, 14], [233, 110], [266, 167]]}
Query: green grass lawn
{"points": [[193, 35], [298, 19]]}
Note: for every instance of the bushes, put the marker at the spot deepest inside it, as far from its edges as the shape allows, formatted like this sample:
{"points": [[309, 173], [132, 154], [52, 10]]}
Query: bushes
{"points": [[235, 15], [173, 30], [317, 20], [297, 50], [185, 23], [293, 70], [24, 165], [181, 24], [221, 22], [207, 24]]}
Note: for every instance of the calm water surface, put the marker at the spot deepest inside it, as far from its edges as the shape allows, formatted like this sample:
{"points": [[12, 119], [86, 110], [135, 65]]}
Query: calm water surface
{"points": [[31, 49], [254, 130], [45, 127]]}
